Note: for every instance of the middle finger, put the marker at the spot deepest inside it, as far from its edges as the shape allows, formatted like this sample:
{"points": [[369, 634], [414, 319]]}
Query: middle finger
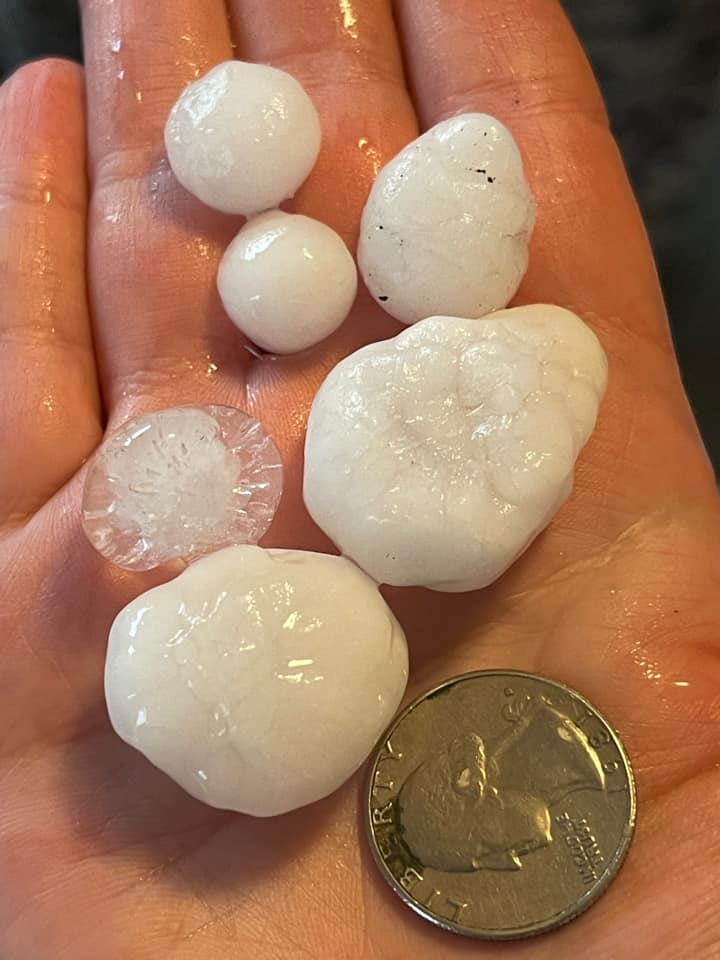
{"points": [[347, 56]]}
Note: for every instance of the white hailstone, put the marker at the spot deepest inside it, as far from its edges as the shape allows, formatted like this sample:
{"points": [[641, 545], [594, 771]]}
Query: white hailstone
{"points": [[436, 457], [243, 137], [287, 281], [259, 680], [446, 227], [181, 482]]}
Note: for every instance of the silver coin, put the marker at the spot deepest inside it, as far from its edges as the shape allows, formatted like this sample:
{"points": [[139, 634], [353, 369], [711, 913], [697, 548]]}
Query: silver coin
{"points": [[500, 805]]}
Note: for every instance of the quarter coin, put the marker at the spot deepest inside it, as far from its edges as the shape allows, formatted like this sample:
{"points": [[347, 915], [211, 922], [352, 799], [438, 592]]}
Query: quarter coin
{"points": [[500, 805]]}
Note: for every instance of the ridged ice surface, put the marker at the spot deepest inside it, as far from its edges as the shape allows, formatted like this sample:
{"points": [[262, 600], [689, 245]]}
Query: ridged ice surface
{"points": [[436, 457], [259, 680], [243, 137], [180, 483], [287, 281], [446, 227]]}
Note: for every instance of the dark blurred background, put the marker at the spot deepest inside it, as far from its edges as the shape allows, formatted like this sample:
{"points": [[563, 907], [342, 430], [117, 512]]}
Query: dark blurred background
{"points": [[658, 62]]}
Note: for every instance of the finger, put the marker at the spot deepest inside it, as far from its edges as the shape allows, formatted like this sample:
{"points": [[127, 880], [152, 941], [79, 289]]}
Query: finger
{"points": [[49, 405], [154, 249], [348, 58], [523, 63]]}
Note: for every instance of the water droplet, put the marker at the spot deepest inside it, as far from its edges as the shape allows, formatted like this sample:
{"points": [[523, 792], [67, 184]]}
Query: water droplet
{"points": [[116, 44], [372, 153], [160, 171], [349, 18], [201, 247]]}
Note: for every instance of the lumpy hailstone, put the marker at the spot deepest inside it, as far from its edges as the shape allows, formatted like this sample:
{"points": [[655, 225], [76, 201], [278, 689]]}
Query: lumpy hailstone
{"points": [[259, 680], [446, 228], [287, 281], [179, 483], [243, 137], [436, 457]]}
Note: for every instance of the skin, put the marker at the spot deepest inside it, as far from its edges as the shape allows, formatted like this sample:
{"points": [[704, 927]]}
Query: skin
{"points": [[109, 308]]}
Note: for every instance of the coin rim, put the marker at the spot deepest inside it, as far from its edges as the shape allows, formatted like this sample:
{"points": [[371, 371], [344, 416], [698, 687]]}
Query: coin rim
{"points": [[564, 916]]}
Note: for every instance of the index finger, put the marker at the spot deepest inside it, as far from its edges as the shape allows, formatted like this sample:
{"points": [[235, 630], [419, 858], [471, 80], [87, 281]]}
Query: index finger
{"points": [[153, 249]]}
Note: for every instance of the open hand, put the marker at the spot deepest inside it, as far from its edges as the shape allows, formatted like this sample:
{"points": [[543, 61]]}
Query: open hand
{"points": [[107, 273]]}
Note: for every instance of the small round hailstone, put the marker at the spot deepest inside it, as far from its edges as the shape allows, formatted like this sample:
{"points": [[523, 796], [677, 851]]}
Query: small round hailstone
{"points": [[179, 483], [259, 680], [243, 138], [446, 227], [435, 458], [287, 281]]}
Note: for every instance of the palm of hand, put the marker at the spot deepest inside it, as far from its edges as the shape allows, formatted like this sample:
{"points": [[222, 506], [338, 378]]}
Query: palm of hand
{"points": [[102, 855]]}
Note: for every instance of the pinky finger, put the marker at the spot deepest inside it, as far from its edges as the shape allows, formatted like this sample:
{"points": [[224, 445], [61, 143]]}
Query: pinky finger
{"points": [[50, 417]]}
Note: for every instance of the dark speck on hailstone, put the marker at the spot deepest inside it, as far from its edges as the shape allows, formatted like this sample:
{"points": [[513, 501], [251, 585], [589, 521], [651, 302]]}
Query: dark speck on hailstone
{"points": [[383, 299]]}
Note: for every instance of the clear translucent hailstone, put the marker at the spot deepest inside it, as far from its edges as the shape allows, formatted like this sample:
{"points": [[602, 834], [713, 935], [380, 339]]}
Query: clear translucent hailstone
{"points": [[180, 483], [287, 281], [446, 227], [259, 680], [243, 137]]}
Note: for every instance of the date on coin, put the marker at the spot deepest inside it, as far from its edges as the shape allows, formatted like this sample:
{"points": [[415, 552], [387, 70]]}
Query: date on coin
{"points": [[500, 805]]}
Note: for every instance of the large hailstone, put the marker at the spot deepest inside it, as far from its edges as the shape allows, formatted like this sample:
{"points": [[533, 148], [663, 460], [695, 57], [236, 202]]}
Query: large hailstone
{"points": [[259, 680], [436, 457], [446, 227], [243, 137], [287, 281]]}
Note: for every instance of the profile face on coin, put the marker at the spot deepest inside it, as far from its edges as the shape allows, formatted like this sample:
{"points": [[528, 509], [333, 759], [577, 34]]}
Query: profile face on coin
{"points": [[500, 805]]}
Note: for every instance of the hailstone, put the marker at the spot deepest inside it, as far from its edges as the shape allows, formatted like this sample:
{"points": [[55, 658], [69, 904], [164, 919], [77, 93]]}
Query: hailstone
{"points": [[259, 680], [178, 483], [287, 281], [243, 137], [436, 457], [446, 227]]}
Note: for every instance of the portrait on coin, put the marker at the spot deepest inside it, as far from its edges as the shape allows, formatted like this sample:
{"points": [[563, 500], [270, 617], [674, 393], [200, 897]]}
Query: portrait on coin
{"points": [[483, 804]]}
